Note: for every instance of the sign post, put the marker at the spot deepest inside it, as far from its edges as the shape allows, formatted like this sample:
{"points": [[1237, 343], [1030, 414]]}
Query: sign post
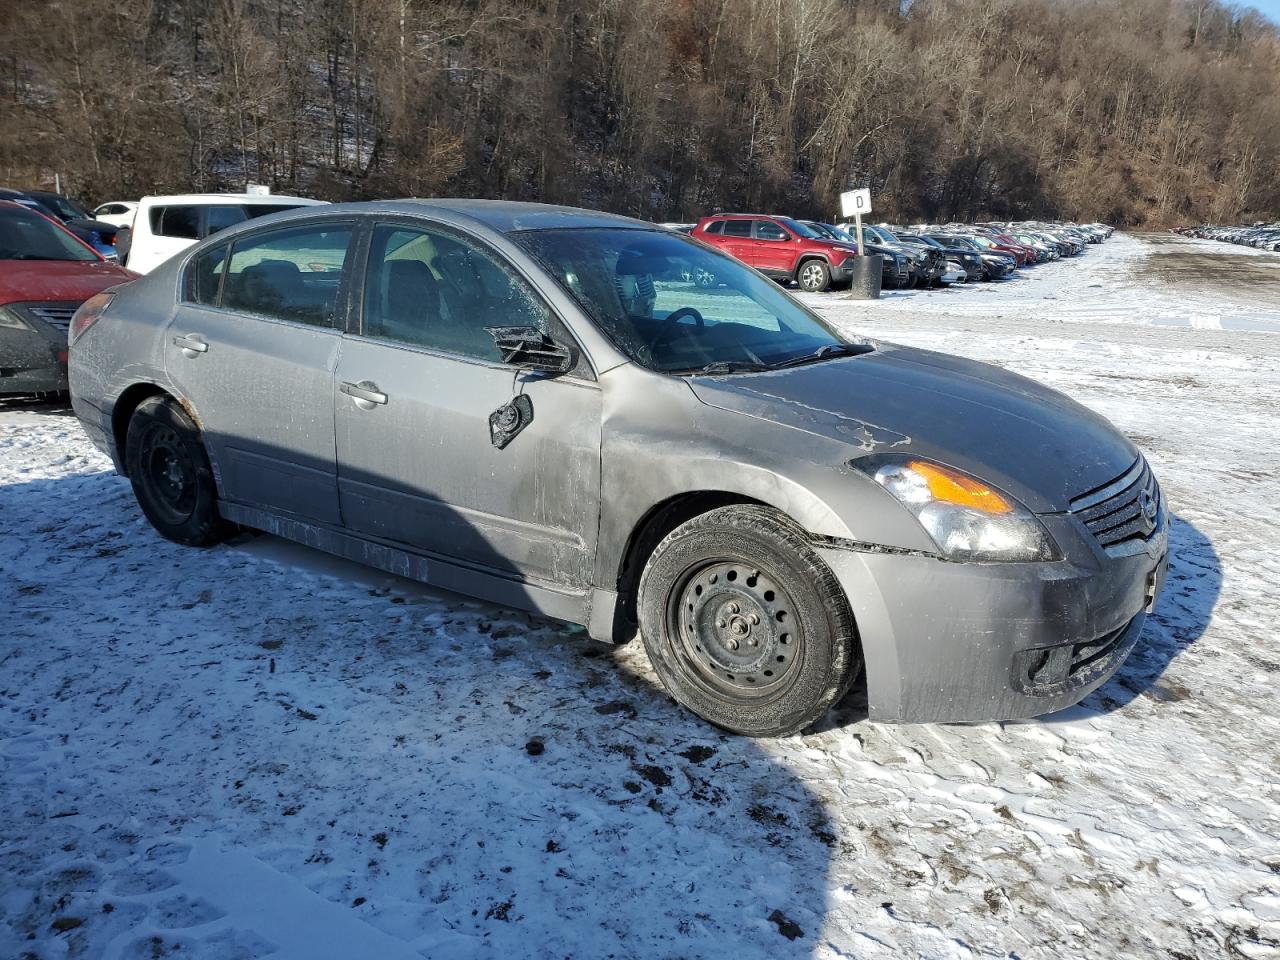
{"points": [[854, 203]]}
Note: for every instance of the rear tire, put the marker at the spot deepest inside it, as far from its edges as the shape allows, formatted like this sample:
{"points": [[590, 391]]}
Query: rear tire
{"points": [[170, 474], [745, 624]]}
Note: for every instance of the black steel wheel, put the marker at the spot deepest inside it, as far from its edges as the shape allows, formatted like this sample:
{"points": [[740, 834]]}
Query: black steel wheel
{"points": [[745, 624], [169, 471]]}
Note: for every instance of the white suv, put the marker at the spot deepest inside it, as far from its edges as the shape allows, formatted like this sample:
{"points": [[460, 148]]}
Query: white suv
{"points": [[164, 226]]}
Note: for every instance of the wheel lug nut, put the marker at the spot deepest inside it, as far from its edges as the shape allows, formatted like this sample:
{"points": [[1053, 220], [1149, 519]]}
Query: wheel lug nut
{"points": [[733, 644], [732, 608], [720, 623], [754, 642], [755, 618]]}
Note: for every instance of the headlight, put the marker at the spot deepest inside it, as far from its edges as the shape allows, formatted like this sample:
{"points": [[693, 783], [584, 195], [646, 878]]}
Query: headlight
{"points": [[12, 321], [966, 518]]}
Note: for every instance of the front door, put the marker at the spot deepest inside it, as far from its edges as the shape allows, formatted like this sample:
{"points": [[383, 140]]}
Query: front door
{"points": [[252, 349], [774, 248], [415, 392]]}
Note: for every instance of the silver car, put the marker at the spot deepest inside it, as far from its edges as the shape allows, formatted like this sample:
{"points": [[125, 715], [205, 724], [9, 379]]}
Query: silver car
{"points": [[540, 406]]}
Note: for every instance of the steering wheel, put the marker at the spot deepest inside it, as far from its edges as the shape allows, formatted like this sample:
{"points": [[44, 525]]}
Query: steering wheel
{"points": [[669, 325]]}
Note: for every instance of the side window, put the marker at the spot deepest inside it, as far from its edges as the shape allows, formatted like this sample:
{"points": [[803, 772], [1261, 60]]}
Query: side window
{"points": [[181, 222], [737, 228], [219, 216], [716, 226], [204, 274], [290, 274], [435, 290], [768, 230]]}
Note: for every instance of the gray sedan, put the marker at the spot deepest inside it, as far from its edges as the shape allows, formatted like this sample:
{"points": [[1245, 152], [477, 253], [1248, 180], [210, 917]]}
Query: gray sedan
{"points": [[540, 407]]}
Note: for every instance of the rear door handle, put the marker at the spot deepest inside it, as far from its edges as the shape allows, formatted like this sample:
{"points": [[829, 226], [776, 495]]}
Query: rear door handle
{"points": [[191, 345], [364, 392]]}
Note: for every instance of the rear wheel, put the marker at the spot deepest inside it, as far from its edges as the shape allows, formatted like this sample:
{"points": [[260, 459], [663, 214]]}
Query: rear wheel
{"points": [[745, 624], [813, 276], [170, 474]]}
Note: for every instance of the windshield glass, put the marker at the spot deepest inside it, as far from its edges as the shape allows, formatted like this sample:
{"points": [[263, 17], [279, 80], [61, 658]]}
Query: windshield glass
{"points": [[673, 304], [64, 207], [795, 226], [824, 231], [28, 236]]}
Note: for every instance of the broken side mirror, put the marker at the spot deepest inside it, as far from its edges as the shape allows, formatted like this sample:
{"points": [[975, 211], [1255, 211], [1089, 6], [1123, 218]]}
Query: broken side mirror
{"points": [[530, 349]]}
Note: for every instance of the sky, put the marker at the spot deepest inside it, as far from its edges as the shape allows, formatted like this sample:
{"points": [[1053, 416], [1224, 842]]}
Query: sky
{"points": [[1270, 7]]}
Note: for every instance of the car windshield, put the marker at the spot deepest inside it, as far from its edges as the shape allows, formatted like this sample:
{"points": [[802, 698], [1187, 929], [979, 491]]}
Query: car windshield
{"points": [[795, 226], [25, 235], [66, 209], [824, 231], [677, 306]]}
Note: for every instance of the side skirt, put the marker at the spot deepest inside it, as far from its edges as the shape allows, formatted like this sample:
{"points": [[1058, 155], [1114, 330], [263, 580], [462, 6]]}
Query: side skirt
{"points": [[423, 567]]}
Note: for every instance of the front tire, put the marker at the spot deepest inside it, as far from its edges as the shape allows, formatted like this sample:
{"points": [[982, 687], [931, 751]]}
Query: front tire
{"points": [[170, 474], [745, 624], [813, 276]]}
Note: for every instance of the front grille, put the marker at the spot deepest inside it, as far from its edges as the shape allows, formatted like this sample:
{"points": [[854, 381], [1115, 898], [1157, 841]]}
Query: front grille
{"points": [[1128, 509], [55, 314]]}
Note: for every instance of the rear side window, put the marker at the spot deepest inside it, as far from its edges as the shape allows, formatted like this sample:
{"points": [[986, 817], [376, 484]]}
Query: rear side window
{"points": [[182, 222], [220, 216], [290, 274], [204, 275], [255, 210], [737, 228], [716, 226]]}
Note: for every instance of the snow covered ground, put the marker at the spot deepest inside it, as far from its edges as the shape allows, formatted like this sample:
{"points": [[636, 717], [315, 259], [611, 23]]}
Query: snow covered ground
{"points": [[256, 751]]}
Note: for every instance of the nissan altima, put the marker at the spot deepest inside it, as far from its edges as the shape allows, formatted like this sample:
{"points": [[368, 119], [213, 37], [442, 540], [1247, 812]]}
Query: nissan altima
{"points": [[540, 406]]}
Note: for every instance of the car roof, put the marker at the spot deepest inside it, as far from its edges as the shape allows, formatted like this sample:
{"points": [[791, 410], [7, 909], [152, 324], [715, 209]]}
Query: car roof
{"points": [[216, 198], [501, 216]]}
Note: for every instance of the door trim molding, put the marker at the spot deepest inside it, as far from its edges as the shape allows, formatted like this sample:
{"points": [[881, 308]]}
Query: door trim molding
{"points": [[428, 568]]}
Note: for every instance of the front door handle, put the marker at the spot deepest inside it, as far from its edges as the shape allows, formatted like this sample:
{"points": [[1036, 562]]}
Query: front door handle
{"points": [[191, 345], [365, 393]]}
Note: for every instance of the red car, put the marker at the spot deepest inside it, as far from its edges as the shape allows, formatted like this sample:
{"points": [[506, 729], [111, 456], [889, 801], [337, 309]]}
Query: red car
{"points": [[46, 272], [781, 248]]}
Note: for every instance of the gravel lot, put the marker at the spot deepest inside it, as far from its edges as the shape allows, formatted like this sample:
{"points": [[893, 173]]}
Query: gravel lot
{"points": [[254, 750]]}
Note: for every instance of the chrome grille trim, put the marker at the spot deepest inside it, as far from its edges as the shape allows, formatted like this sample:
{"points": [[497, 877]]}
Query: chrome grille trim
{"points": [[1114, 513], [56, 314]]}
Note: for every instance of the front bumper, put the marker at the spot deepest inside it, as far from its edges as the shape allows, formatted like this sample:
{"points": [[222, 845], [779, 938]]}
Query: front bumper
{"points": [[842, 272], [51, 378], [947, 641]]}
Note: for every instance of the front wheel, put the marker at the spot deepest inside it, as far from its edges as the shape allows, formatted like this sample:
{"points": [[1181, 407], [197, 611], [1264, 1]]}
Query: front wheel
{"points": [[745, 624], [170, 474], [814, 277]]}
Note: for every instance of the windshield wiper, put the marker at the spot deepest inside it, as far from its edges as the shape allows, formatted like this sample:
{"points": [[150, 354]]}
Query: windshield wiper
{"points": [[726, 366], [823, 353]]}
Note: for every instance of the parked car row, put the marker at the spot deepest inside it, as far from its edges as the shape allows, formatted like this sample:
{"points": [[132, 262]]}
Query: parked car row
{"points": [[816, 256], [1264, 236], [99, 234]]}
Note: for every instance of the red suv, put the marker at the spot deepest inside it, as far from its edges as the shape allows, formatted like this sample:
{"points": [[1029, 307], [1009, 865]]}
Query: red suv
{"points": [[45, 274], [781, 248]]}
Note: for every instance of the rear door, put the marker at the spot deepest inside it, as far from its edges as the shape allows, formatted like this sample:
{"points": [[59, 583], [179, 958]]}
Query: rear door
{"points": [[739, 240], [416, 388], [252, 348]]}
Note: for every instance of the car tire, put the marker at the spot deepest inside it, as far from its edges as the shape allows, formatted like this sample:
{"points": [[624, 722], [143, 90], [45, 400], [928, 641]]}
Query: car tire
{"points": [[744, 623], [170, 474], [813, 276]]}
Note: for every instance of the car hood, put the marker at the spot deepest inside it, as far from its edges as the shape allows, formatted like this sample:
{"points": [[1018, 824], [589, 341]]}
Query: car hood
{"points": [[57, 279], [1028, 440]]}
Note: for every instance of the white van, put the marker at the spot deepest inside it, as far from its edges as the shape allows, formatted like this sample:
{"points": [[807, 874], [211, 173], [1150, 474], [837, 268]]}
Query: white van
{"points": [[164, 226]]}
